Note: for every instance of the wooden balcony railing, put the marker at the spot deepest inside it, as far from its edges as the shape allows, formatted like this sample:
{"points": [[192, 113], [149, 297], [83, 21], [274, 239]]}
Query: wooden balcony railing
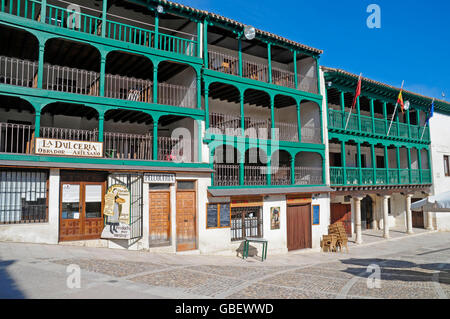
{"points": [[18, 72], [340, 176], [71, 80], [283, 77], [127, 146], [225, 123], [255, 71], [177, 95], [69, 134], [287, 132], [305, 175], [16, 138], [125, 88], [174, 149], [222, 62], [281, 175], [368, 125], [226, 174], [62, 17], [255, 128]]}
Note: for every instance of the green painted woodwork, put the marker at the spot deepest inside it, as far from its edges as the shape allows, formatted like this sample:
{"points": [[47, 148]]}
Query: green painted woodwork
{"points": [[295, 70], [269, 61]]}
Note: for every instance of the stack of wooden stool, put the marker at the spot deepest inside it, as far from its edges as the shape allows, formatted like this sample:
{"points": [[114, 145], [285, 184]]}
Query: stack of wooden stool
{"points": [[336, 238]]}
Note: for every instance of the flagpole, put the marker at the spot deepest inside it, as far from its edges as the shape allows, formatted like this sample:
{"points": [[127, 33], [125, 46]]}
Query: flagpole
{"points": [[395, 110], [423, 132], [350, 113]]}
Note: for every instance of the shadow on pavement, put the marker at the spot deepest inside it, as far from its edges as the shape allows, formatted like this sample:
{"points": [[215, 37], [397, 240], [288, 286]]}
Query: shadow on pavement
{"points": [[399, 270], [8, 287]]}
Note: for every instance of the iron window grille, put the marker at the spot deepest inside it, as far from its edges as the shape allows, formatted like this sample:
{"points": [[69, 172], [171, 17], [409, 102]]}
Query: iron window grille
{"points": [[246, 222]]}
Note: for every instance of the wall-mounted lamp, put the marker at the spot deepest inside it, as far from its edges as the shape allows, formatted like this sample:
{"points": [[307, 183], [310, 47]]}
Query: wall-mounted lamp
{"points": [[160, 9]]}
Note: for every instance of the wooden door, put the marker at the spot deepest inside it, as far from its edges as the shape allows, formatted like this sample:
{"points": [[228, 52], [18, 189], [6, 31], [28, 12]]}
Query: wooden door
{"points": [[342, 213], [159, 217], [186, 220], [417, 220], [299, 227], [81, 211]]}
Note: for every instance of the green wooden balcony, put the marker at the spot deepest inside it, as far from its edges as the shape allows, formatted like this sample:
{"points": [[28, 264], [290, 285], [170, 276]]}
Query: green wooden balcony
{"points": [[93, 25], [352, 176], [374, 126]]}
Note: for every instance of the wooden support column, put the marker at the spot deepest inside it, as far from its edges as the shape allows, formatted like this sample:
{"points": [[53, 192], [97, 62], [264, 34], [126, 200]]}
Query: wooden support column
{"points": [[269, 59], [374, 163], [343, 108], [207, 106], [205, 43], [408, 121], [155, 83], [408, 153], [240, 55], [299, 121], [241, 169], [41, 64], [318, 75], [37, 123], [43, 10], [101, 122], [199, 38], [272, 116], [156, 42], [241, 98], [397, 151], [344, 164], [293, 170], [372, 115], [386, 124], [295, 70], [386, 163], [104, 12], [358, 161], [155, 138], [199, 90], [419, 162], [358, 111], [102, 74]]}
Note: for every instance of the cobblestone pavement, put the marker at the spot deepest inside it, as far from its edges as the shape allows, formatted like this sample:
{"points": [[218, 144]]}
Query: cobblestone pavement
{"points": [[411, 267]]}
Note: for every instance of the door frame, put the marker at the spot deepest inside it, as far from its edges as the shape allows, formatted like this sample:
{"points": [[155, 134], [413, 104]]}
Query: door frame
{"points": [[82, 204], [195, 190]]}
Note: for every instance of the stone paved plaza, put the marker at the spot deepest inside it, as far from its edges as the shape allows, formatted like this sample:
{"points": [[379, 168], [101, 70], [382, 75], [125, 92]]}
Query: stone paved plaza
{"points": [[416, 266]]}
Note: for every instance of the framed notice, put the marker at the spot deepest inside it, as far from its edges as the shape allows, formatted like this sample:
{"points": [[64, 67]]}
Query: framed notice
{"points": [[316, 214], [218, 215], [51, 146]]}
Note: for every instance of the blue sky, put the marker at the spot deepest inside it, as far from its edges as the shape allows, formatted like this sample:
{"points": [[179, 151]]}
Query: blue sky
{"points": [[413, 43]]}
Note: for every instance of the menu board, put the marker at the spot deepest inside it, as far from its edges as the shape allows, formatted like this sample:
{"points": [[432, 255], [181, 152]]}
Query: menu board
{"points": [[225, 215], [212, 215]]}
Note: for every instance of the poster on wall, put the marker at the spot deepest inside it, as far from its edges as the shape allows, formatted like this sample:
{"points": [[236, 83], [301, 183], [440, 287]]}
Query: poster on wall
{"points": [[117, 213], [274, 218]]}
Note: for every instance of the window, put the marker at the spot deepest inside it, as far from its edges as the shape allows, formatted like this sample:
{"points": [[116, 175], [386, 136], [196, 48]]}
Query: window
{"points": [[246, 222], [186, 185], [218, 215], [446, 165], [23, 196]]}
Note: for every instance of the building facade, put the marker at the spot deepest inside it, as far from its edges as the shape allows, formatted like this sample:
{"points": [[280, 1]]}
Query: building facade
{"points": [[152, 125]]}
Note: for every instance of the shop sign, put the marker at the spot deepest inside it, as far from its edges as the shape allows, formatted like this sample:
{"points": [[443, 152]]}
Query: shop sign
{"points": [[117, 212], [50, 146], [159, 178]]}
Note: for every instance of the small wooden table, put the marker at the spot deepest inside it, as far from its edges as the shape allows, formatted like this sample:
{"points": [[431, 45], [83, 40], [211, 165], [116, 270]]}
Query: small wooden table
{"points": [[262, 241]]}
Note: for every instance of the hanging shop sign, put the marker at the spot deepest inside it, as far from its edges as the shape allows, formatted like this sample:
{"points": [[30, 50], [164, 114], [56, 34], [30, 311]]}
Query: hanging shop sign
{"points": [[50, 146], [159, 178], [117, 213]]}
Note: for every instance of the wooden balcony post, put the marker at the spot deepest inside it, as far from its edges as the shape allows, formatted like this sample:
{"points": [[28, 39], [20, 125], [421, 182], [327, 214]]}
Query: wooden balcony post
{"points": [[386, 163], [241, 168], [358, 162], [41, 64], [156, 44], [101, 122], [374, 163], [205, 43], [241, 99], [155, 138], [318, 75], [385, 118], [104, 12], [155, 83], [269, 60], [408, 121], [37, 123], [43, 10], [269, 172], [397, 121], [343, 108], [419, 161], [344, 164], [295, 70], [102, 73], [293, 170], [408, 153], [206, 106], [240, 55], [358, 112], [372, 115], [272, 116], [397, 150], [199, 39], [199, 90], [299, 122]]}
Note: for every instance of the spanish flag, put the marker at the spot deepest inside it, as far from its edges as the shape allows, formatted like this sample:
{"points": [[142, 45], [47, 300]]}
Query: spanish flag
{"points": [[400, 101]]}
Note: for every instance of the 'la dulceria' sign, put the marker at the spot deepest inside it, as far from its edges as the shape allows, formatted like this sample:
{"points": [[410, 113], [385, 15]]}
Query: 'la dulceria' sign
{"points": [[49, 146]]}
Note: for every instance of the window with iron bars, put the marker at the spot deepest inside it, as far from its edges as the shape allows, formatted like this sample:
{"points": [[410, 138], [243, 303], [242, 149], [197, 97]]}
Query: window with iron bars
{"points": [[23, 196], [246, 222]]}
